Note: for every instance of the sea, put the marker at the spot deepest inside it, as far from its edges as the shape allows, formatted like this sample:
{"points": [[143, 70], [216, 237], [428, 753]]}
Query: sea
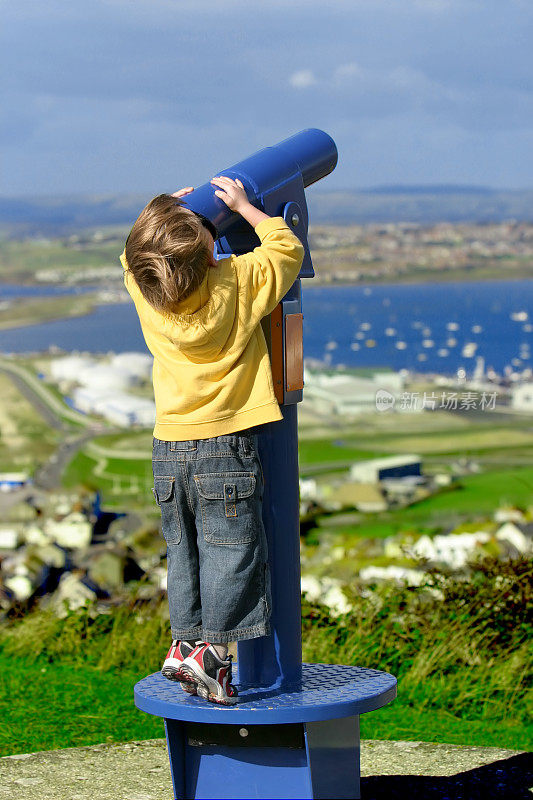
{"points": [[422, 327]]}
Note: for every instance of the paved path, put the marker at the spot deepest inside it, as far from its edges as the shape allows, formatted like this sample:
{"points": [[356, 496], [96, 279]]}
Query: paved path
{"points": [[390, 770], [53, 410]]}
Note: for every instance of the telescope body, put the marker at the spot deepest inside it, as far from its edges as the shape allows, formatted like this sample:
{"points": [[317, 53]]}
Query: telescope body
{"points": [[274, 179], [295, 731]]}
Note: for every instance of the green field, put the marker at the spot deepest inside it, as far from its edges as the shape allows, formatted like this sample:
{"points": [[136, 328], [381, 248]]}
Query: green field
{"points": [[463, 664], [25, 258]]}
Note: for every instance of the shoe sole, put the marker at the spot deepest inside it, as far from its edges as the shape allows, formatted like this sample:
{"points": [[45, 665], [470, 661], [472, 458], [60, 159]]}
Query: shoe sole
{"points": [[206, 687], [175, 674]]}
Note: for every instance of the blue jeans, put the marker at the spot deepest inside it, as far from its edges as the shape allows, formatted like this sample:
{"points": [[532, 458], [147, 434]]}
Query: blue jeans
{"points": [[210, 493]]}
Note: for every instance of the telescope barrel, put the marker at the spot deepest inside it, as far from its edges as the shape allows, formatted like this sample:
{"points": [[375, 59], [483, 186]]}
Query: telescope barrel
{"points": [[312, 154]]}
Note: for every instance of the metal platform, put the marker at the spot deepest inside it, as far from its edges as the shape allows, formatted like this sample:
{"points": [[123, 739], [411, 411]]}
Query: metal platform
{"points": [[327, 691], [291, 742]]}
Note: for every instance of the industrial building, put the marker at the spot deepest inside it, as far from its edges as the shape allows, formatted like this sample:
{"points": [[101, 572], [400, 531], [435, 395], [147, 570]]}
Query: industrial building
{"points": [[118, 408], [377, 469], [347, 395]]}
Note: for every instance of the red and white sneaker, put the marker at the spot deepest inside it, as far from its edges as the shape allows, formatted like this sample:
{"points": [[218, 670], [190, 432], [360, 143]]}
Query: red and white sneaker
{"points": [[171, 669], [211, 674]]}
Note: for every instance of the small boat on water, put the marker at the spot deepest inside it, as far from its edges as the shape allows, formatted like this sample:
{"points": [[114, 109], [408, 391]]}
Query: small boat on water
{"points": [[528, 327], [477, 328], [390, 331], [400, 345], [422, 357], [365, 326], [355, 346], [469, 349], [519, 316], [451, 342], [443, 352], [452, 326], [426, 332], [370, 343], [428, 343], [331, 345]]}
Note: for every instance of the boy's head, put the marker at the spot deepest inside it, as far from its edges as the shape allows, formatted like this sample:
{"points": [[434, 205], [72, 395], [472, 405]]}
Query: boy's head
{"points": [[169, 250]]}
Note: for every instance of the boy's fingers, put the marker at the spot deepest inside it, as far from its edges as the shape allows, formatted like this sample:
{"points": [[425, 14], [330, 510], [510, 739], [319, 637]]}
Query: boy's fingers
{"points": [[239, 182], [181, 192], [224, 180]]}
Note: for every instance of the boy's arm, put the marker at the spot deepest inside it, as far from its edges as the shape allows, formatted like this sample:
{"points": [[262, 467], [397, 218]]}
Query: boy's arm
{"points": [[269, 270]]}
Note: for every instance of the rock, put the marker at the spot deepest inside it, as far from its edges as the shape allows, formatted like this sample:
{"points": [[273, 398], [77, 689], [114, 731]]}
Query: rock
{"points": [[20, 587], [9, 538], [20, 512], [107, 569], [33, 534], [73, 531], [71, 594]]}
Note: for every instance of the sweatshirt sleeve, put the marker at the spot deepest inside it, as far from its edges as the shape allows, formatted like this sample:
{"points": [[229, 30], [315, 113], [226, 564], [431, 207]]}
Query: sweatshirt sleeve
{"points": [[266, 273]]}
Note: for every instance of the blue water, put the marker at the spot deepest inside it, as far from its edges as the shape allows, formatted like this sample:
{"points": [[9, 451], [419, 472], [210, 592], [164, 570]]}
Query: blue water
{"points": [[332, 318]]}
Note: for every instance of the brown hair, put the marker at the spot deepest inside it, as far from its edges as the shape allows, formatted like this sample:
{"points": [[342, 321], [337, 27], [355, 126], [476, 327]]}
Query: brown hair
{"points": [[167, 252]]}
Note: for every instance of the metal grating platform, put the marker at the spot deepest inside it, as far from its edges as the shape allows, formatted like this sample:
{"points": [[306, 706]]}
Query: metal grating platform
{"points": [[327, 691]]}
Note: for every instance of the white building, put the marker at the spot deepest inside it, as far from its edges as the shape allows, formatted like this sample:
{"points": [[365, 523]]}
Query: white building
{"points": [[118, 408], [68, 368], [376, 469], [10, 481], [137, 364], [107, 377], [522, 397], [347, 395], [126, 410]]}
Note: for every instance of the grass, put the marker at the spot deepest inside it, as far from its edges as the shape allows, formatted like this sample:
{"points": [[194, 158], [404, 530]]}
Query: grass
{"points": [[35, 310], [462, 662], [69, 707], [25, 438], [476, 496], [27, 258]]}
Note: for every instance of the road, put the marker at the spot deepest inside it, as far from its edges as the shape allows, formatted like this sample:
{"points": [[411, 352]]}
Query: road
{"points": [[58, 416]]}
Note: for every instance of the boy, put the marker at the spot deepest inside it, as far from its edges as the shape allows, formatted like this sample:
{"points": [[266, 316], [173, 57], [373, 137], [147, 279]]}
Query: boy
{"points": [[213, 385]]}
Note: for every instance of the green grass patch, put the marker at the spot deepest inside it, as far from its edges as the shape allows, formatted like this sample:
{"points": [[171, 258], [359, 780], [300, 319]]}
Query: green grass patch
{"points": [[475, 495], [462, 662], [55, 705]]}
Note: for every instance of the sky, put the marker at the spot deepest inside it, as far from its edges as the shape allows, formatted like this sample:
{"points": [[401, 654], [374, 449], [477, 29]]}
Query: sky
{"points": [[121, 96]]}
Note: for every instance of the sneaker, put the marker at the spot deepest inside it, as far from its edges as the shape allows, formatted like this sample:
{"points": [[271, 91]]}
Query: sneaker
{"points": [[171, 669], [211, 674]]}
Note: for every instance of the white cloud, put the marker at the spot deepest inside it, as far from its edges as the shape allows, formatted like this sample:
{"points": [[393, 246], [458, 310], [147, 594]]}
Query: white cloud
{"points": [[347, 72], [302, 79]]}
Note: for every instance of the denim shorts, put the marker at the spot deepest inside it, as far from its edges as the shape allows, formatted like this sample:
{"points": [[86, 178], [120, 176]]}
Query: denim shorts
{"points": [[210, 493]]}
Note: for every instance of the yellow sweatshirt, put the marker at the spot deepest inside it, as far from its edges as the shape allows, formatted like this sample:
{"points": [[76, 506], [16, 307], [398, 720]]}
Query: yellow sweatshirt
{"points": [[212, 372]]}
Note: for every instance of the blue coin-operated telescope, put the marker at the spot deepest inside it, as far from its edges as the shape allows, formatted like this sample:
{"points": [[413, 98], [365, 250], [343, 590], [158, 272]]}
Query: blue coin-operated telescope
{"points": [[295, 730]]}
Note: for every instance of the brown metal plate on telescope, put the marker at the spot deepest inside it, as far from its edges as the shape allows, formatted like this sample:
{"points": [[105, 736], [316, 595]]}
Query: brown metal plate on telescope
{"points": [[276, 351], [294, 354]]}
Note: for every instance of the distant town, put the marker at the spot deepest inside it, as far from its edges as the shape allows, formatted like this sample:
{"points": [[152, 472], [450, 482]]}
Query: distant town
{"points": [[379, 501]]}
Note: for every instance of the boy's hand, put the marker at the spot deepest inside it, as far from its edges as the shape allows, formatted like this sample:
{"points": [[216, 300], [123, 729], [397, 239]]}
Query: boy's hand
{"points": [[183, 192], [231, 192]]}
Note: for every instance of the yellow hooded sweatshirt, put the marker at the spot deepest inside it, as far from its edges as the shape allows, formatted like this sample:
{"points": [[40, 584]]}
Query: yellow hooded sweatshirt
{"points": [[211, 371]]}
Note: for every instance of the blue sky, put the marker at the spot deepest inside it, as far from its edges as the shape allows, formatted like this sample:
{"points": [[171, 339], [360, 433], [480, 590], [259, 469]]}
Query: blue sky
{"points": [[109, 96]]}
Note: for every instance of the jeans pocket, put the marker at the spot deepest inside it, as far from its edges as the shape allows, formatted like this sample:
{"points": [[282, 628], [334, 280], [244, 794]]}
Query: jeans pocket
{"points": [[165, 496], [231, 512]]}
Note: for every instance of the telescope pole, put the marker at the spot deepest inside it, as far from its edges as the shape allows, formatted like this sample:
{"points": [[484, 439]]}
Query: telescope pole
{"points": [[276, 660]]}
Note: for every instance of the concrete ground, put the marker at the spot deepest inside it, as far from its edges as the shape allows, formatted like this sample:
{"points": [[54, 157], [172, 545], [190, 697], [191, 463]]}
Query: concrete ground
{"points": [[140, 771]]}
